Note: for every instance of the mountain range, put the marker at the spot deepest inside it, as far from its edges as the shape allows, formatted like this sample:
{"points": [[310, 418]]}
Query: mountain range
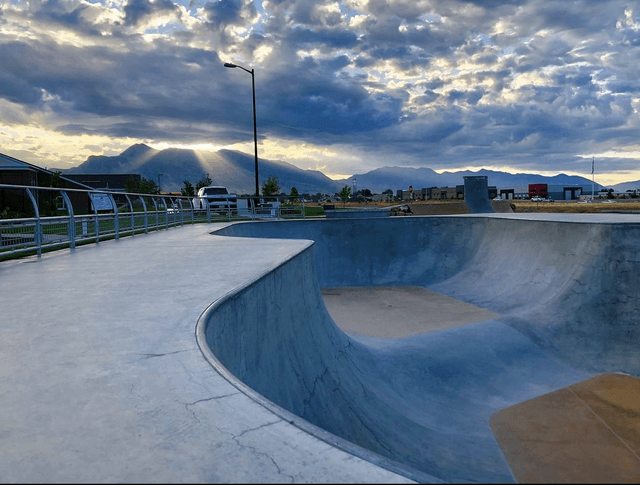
{"points": [[235, 170], [394, 178]]}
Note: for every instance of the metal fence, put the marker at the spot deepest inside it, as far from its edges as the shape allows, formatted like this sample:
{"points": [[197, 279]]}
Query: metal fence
{"points": [[35, 218]]}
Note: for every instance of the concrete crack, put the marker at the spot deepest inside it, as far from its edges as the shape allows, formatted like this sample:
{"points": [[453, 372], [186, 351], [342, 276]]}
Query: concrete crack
{"points": [[151, 356], [269, 457], [259, 427], [252, 449], [188, 405]]}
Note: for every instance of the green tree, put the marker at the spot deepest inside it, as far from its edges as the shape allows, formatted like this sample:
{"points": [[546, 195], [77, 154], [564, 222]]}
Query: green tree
{"points": [[187, 189], [271, 187], [203, 182], [345, 193], [56, 180], [148, 186], [47, 203], [294, 192], [130, 185]]}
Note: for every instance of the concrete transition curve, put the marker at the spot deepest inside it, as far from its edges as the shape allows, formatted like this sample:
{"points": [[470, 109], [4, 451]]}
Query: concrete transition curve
{"points": [[567, 291]]}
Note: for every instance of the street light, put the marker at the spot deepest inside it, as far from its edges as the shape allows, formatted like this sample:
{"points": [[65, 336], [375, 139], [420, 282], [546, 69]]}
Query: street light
{"points": [[255, 125]]}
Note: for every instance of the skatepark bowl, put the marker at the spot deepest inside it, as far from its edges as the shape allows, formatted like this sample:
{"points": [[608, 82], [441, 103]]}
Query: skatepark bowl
{"points": [[540, 386]]}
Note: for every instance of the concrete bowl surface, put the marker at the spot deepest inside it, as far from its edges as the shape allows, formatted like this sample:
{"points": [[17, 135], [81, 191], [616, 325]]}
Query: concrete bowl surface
{"points": [[103, 380], [563, 291]]}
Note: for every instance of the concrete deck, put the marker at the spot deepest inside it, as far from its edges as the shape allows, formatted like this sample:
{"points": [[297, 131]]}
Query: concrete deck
{"points": [[101, 379], [106, 352]]}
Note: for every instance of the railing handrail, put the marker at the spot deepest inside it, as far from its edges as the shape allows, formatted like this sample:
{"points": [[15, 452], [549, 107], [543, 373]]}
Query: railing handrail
{"points": [[116, 217]]}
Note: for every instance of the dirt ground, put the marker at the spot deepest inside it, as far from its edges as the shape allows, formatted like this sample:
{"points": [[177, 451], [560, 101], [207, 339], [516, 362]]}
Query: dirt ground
{"points": [[528, 206], [577, 207]]}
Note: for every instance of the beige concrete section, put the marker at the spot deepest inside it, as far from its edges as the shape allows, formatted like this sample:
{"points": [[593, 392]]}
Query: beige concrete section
{"points": [[584, 433], [398, 311], [615, 398]]}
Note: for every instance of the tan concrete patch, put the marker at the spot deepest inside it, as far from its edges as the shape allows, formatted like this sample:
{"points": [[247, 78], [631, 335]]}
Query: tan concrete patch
{"points": [[394, 312], [585, 433]]}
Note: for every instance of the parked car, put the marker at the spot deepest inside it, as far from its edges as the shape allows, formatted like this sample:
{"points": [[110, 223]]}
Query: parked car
{"points": [[217, 196]]}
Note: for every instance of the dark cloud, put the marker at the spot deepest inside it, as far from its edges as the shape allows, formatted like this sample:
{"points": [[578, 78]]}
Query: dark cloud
{"points": [[138, 10], [425, 81], [222, 13], [334, 38]]}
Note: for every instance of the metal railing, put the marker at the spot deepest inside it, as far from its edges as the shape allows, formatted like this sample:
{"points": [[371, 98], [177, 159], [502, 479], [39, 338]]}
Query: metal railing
{"points": [[36, 218]]}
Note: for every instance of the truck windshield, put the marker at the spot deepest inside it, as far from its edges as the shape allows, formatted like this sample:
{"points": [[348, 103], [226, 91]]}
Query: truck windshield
{"points": [[215, 191]]}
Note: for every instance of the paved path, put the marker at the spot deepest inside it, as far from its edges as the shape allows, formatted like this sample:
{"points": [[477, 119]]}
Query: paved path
{"points": [[101, 379]]}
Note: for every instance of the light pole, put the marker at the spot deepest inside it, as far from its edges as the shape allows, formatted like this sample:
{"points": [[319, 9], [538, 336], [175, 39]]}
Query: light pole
{"points": [[255, 125]]}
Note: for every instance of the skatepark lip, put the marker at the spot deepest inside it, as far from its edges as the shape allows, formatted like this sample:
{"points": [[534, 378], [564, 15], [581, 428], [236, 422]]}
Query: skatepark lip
{"points": [[524, 350], [291, 418]]}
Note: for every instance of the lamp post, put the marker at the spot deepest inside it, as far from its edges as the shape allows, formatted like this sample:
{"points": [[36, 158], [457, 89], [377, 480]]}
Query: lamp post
{"points": [[255, 125]]}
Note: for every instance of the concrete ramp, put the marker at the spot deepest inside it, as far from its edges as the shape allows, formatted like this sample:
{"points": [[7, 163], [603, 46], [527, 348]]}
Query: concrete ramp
{"points": [[476, 194], [424, 402]]}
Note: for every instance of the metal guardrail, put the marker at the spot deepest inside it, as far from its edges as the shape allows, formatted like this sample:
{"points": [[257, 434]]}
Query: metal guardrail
{"points": [[34, 218]]}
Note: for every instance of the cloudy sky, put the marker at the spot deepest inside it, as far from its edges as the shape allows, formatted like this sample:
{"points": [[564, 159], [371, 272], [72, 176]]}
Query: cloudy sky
{"points": [[343, 87]]}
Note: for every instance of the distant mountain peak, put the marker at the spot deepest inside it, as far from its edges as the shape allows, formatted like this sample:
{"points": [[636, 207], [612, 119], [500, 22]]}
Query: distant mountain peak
{"points": [[136, 151]]}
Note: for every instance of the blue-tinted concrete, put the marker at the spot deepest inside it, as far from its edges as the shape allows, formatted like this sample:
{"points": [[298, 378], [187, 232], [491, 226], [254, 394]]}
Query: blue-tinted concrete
{"points": [[425, 401], [102, 377]]}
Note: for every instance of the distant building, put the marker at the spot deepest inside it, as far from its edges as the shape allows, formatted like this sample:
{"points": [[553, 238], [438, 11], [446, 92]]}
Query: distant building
{"points": [[565, 192], [538, 190], [507, 194], [556, 192], [113, 182], [17, 172]]}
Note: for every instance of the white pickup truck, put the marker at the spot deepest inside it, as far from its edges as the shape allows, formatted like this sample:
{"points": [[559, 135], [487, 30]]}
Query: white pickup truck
{"points": [[217, 196]]}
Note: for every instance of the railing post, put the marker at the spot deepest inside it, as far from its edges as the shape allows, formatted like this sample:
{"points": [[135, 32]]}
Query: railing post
{"points": [[181, 211], [132, 215], [192, 209], [146, 215], [97, 220], [116, 223], [155, 204], [166, 213], [71, 229], [37, 236], [304, 212]]}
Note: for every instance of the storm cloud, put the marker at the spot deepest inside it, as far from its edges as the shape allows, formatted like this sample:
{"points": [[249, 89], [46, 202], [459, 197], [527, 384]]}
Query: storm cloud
{"points": [[348, 85]]}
